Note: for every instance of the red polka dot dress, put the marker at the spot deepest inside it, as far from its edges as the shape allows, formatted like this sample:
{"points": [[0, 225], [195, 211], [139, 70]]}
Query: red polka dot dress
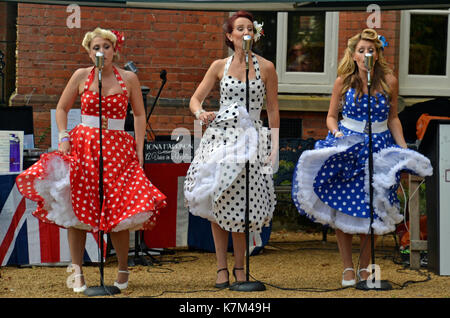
{"points": [[66, 187]]}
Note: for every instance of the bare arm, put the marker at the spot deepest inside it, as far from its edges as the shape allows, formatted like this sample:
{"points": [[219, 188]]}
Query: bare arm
{"points": [[394, 124], [270, 78], [64, 105], [333, 110], [137, 104], [204, 88]]}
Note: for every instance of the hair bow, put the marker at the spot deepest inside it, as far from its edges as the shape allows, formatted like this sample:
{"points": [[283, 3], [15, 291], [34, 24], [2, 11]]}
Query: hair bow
{"points": [[383, 41], [258, 30], [120, 39]]}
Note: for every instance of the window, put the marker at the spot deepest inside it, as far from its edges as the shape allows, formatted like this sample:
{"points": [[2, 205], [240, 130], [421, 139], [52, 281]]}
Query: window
{"points": [[303, 47], [425, 53], [307, 51], [289, 127], [305, 43]]}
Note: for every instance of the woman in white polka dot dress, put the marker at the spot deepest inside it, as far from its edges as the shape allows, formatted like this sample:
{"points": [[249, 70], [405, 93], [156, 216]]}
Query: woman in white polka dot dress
{"points": [[331, 182], [215, 186], [66, 183]]}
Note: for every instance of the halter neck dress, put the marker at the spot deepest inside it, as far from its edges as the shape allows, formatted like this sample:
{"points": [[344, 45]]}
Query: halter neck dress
{"points": [[66, 187], [331, 182], [215, 185]]}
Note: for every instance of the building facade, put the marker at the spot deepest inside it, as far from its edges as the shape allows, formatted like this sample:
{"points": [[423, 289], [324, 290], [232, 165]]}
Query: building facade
{"points": [[305, 47]]}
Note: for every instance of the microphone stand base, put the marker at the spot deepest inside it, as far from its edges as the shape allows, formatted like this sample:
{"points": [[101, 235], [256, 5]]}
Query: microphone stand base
{"points": [[375, 285], [247, 286], [102, 291], [139, 260]]}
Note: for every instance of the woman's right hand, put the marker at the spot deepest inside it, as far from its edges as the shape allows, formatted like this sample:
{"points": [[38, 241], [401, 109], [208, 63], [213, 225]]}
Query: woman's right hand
{"points": [[64, 147], [207, 117]]}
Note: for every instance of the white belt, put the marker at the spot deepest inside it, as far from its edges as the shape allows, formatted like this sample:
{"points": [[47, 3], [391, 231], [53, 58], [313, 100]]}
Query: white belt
{"points": [[360, 126], [107, 123]]}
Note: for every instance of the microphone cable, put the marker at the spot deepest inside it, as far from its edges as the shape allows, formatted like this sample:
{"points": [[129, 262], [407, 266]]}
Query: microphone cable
{"points": [[294, 289], [191, 258], [326, 290]]}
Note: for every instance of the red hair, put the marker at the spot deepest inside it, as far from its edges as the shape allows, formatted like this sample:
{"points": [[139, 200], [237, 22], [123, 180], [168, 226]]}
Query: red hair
{"points": [[229, 24]]}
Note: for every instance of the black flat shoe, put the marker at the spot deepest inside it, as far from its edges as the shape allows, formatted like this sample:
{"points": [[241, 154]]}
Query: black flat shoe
{"points": [[224, 284]]}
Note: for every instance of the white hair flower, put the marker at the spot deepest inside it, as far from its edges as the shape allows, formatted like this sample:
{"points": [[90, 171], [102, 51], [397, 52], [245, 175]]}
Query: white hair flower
{"points": [[258, 30]]}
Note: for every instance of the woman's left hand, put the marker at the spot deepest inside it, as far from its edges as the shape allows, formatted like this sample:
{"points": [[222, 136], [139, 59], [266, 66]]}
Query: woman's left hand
{"points": [[272, 159], [140, 158]]}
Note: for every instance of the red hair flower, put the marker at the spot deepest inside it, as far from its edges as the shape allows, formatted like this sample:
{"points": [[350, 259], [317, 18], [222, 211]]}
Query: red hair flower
{"points": [[120, 39]]}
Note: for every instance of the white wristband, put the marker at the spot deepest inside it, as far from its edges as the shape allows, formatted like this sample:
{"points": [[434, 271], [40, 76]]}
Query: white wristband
{"points": [[62, 134], [198, 112]]}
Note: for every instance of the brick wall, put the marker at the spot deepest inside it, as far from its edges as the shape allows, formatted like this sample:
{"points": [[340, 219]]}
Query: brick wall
{"points": [[182, 43], [3, 37], [3, 26], [7, 46], [352, 22]]}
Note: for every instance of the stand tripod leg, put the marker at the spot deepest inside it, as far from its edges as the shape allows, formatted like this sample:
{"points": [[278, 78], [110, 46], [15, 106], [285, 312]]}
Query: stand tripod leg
{"points": [[139, 250], [144, 249]]}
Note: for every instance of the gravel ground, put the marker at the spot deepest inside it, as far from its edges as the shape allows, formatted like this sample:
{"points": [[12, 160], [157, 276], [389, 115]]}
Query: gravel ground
{"points": [[293, 265]]}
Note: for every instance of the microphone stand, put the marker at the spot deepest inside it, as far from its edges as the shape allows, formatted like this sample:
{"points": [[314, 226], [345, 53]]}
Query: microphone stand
{"points": [[139, 259], [371, 284], [101, 290], [140, 247], [162, 75], [247, 286]]}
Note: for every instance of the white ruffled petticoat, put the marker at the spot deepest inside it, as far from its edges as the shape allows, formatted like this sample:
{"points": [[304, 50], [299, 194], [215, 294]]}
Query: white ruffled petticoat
{"points": [[388, 163], [219, 164], [215, 184], [55, 189]]}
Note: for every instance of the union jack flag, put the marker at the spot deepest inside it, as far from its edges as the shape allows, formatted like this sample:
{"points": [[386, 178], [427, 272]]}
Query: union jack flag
{"points": [[24, 239], [178, 227]]}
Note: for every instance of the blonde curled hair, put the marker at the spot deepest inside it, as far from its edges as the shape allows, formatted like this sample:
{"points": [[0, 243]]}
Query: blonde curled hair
{"points": [[103, 33], [348, 69]]}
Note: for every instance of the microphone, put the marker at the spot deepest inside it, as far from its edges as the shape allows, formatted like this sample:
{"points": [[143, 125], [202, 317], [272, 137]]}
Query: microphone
{"points": [[247, 43], [163, 75], [368, 63], [99, 60], [246, 46]]}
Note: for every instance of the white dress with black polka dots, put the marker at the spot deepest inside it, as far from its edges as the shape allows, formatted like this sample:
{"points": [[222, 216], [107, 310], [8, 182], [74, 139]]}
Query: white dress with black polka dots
{"points": [[215, 185]]}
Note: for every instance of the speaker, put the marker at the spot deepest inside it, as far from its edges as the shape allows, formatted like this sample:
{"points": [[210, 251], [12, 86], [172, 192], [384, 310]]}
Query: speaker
{"points": [[17, 118], [436, 146]]}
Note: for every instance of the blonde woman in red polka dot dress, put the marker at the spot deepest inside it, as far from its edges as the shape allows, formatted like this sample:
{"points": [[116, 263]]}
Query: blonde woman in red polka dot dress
{"points": [[66, 183]]}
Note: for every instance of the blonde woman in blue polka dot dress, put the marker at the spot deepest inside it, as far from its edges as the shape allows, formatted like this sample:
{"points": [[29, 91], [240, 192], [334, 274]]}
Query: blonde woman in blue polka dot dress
{"points": [[331, 182]]}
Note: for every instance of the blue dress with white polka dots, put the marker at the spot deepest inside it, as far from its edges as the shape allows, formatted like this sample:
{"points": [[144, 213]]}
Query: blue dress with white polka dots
{"points": [[331, 183]]}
